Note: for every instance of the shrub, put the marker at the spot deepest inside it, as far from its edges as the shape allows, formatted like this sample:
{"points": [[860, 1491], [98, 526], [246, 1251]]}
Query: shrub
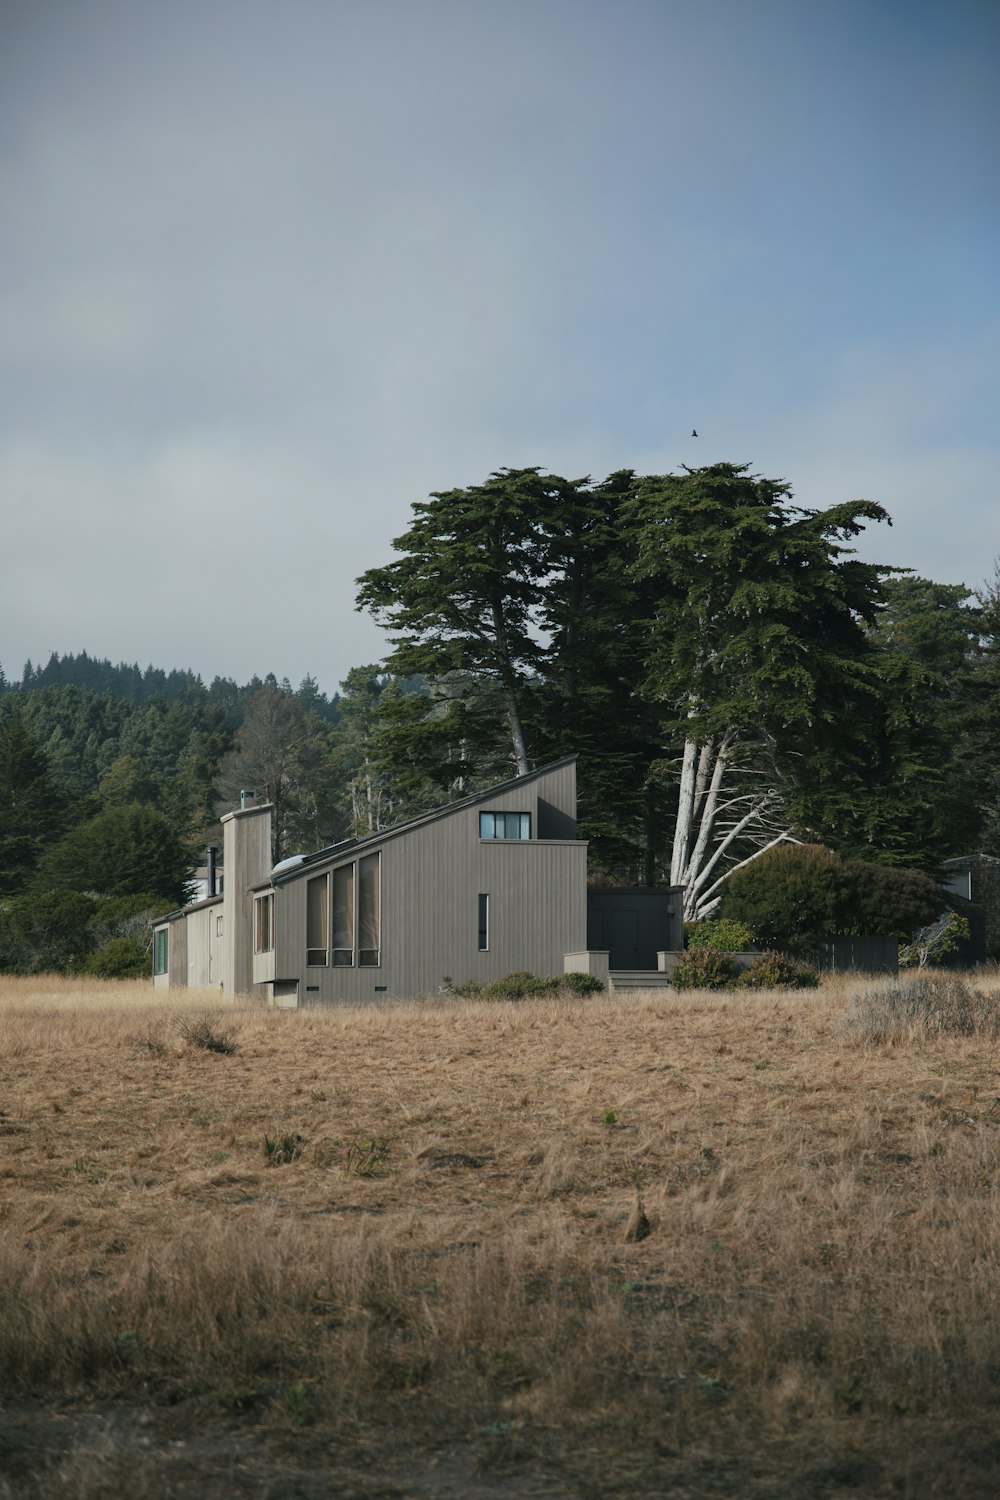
{"points": [[795, 895], [930, 944], [704, 969], [776, 971], [282, 1149], [366, 1157], [926, 1007], [203, 1034], [521, 985], [578, 983], [721, 933], [119, 958], [46, 932]]}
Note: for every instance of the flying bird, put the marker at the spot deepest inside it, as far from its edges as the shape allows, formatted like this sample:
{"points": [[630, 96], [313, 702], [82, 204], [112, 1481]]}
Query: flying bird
{"points": [[694, 432]]}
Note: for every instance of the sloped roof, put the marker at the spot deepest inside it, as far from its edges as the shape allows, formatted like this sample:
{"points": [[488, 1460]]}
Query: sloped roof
{"points": [[333, 852]]}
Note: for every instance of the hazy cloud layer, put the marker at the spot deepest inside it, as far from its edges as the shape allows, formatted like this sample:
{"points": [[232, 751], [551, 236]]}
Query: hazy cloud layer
{"points": [[272, 272]]}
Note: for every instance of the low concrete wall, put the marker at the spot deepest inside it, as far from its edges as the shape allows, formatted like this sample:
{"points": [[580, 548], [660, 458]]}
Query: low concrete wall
{"points": [[592, 961]]}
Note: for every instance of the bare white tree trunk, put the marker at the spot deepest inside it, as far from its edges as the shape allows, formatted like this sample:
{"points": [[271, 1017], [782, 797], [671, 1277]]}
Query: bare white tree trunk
{"points": [[685, 813], [517, 736], [720, 811]]}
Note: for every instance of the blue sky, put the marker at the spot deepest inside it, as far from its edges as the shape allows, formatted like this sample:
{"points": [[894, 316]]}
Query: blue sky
{"points": [[273, 272]]}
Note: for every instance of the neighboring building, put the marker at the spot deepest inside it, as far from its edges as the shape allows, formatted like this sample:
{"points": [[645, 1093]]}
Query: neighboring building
{"points": [[480, 887], [976, 878]]}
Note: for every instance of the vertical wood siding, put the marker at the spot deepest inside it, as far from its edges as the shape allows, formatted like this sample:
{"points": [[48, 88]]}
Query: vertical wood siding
{"points": [[432, 876], [247, 861]]}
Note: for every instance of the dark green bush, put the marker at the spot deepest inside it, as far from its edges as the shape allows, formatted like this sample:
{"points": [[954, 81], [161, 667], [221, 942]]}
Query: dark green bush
{"points": [[797, 894], [578, 983], [119, 958], [776, 971], [46, 933], [704, 969], [521, 985]]}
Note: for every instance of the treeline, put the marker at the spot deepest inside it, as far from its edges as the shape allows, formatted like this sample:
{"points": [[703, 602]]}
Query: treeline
{"points": [[729, 674], [108, 795]]}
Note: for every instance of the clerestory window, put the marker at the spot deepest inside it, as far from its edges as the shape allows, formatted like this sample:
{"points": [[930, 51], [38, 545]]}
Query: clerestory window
{"points": [[504, 825]]}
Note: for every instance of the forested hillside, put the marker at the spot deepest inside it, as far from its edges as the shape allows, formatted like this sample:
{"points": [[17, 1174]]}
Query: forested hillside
{"points": [[728, 672]]}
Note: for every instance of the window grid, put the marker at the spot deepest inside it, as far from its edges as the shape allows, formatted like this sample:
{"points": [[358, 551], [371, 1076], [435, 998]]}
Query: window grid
{"points": [[504, 825]]}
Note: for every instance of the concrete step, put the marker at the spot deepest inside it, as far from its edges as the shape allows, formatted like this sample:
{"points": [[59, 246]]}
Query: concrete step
{"points": [[638, 979]]}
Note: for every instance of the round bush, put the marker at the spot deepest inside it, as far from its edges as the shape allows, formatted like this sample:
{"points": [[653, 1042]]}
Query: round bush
{"points": [[119, 958], [776, 971], [704, 969], [722, 933]]}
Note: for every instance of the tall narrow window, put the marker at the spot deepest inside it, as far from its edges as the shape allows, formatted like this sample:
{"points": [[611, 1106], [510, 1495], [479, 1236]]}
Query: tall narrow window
{"points": [[369, 936], [343, 917], [263, 923], [160, 950], [317, 921], [484, 923]]}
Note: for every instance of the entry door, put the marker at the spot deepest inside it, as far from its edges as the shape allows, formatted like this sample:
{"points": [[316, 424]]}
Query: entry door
{"points": [[624, 938]]}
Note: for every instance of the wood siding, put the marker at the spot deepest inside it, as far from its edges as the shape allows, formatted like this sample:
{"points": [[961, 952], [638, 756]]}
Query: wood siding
{"points": [[205, 957], [247, 861], [177, 956], [432, 875]]}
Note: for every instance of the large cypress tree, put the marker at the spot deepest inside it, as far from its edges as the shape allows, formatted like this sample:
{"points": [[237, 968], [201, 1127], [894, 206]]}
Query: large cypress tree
{"points": [[757, 648], [466, 593]]}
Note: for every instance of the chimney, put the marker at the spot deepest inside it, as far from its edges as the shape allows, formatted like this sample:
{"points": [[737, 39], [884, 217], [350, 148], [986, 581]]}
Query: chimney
{"points": [[210, 853], [248, 799], [246, 861]]}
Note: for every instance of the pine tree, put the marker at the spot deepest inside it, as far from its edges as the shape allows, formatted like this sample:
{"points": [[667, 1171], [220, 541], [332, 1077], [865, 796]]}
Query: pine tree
{"points": [[31, 809]]}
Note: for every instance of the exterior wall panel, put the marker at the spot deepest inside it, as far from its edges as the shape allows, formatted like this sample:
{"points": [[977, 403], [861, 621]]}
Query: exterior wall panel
{"points": [[177, 955], [432, 874], [247, 845]]}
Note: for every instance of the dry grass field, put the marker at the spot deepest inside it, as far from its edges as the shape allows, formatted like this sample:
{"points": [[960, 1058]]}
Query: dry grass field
{"points": [[398, 1251]]}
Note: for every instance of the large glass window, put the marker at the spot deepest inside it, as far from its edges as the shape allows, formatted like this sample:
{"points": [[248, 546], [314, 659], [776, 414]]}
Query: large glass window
{"points": [[369, 898], [263, 923], [504, 825], [160, 951], [317, 921], [343, 917]]}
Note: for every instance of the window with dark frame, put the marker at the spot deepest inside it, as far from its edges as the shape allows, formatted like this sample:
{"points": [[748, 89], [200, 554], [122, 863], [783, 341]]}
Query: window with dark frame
{"points": [[263, 927], [318, 922], [369, 912], [484, 922], [504, 825], [343, 917]]}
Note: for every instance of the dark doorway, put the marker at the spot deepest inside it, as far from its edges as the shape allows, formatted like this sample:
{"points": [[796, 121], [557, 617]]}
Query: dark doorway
{"points": [[633, 925]]}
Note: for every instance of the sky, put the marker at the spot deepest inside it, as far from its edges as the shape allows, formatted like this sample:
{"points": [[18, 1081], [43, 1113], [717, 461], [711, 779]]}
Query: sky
{"points": [[272, 271]]}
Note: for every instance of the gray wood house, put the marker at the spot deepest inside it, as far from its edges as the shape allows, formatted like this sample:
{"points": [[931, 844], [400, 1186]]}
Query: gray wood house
{"points": [[480, 887]]}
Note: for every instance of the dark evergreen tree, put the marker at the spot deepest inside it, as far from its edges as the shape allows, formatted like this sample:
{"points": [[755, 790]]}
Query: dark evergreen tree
{"points": [[467, 591], [31, 808], [119, 852]]}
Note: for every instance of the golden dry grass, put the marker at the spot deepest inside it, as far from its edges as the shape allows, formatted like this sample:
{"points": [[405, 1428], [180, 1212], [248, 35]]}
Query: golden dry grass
{"points": [[431, 1283]]}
